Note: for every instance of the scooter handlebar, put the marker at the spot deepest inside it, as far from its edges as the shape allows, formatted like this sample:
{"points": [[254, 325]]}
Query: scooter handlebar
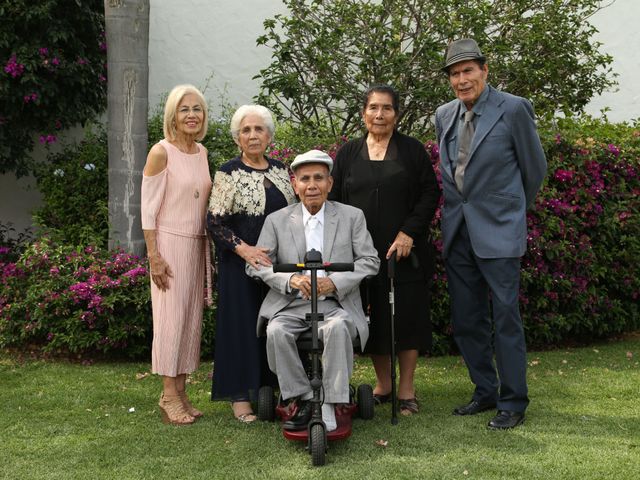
{"points": [[327, 267], [288, 267]]}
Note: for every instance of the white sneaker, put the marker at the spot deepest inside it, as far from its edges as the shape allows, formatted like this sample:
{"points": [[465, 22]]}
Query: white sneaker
{"points": [[329, 416]]}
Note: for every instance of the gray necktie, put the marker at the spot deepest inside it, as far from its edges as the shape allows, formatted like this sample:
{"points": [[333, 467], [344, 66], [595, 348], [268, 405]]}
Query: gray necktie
{"points": [[464, 146]]}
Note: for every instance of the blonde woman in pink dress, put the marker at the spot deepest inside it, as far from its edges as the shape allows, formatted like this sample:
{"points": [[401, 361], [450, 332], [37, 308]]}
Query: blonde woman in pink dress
{"points": [[175, 191]]}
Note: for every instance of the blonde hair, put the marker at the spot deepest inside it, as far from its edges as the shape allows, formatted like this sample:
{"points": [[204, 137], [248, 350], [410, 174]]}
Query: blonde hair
{"points": [[243, 111], [171, 109]]}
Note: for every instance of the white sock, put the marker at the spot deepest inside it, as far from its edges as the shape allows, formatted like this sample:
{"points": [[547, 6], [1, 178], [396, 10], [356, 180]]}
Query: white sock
{"points": [[329, 416]]}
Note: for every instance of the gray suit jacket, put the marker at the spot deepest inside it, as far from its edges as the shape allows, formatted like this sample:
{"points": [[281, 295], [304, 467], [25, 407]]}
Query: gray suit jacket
{"points": [[345, 239], [505, 171]]}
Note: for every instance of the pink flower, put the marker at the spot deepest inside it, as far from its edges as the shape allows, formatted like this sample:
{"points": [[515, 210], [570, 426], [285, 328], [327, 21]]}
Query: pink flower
{"points": [[32, 97], [43, 51], [563, 175], [623, 216], [613, 149], [14, 68], [48, 139]]}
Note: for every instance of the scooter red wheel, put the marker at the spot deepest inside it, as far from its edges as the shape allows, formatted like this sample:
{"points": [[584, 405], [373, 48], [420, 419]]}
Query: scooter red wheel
{"points": [[365, 402], [318, 445], [266, 404]]}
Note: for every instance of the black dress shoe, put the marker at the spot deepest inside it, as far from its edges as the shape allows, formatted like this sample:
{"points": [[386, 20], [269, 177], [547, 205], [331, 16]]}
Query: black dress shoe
{"points": [[472, 408], [301, 419], [506, 419]]}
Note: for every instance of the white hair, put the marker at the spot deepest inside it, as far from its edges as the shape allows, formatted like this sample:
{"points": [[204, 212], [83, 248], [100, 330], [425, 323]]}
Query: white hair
{"points": [[245, 110]]}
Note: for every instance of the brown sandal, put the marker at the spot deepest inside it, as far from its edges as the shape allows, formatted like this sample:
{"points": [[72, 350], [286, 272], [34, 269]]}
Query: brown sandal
{"points": [[191, 410], [173, 411], [408, 406]]}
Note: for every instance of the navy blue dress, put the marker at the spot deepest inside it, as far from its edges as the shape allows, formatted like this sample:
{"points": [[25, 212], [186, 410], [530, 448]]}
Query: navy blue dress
{"points": [[241, 198]]}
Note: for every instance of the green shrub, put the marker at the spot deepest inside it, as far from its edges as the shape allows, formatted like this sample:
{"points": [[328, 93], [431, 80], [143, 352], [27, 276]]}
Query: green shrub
{"points": [[70, 299], [75, 190], [12, 242]]}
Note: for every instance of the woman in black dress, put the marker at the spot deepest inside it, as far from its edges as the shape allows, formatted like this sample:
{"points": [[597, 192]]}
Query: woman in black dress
{"points": [[389, 176], [245, 190]]}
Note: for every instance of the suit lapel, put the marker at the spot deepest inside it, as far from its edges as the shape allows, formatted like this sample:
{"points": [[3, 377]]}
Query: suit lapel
{"points": [[491, 114], [297, 232], [330, 230], [449, 121]]}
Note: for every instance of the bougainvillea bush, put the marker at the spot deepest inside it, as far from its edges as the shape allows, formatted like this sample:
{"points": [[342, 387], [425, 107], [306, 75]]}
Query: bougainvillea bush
{"points": [[67, 299], [53, 76], [581, 274]]}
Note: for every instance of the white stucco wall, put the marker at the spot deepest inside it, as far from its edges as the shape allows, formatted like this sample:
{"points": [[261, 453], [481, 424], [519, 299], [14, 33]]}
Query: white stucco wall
{"points": [[212, 44], [209, 43], [619, 33]]}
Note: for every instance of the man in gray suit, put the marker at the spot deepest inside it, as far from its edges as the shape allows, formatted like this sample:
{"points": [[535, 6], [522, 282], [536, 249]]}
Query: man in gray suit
{"points": [[492, 166], [340, 233]]}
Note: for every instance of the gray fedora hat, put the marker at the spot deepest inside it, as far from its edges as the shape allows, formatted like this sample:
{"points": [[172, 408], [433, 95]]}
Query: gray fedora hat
{"points": [[462, 50], [312, 156]]}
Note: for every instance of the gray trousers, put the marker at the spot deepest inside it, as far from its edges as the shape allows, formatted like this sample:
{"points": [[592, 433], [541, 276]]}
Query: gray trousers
{"points": [[482, 327], [336, 333]]}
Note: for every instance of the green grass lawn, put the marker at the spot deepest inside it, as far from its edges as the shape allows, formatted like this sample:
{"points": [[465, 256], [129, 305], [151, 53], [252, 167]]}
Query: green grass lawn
{"points": [[61, 420]]}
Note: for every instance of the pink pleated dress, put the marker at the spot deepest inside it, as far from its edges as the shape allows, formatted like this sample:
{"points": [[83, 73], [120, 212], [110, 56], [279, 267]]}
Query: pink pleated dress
{"points": [[174, 203]]}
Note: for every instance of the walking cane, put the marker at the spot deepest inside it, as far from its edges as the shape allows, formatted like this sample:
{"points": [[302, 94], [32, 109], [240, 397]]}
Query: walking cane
{"points": [[391, 271], [391, 267]]}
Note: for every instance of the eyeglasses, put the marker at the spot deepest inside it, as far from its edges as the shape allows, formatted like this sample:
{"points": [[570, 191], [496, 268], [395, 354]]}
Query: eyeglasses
{"points": [[197, 110]]}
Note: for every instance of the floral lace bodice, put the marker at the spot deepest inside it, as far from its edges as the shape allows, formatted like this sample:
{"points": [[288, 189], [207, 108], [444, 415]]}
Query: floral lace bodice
{"points": [[242, 197]]}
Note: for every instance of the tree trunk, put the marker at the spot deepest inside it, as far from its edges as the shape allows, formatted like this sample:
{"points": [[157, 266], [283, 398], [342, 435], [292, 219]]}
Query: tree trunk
{"points": [[127, 31]]}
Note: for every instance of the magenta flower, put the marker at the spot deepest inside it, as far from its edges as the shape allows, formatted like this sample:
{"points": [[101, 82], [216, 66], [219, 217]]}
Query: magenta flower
{"points": [[135, 272], [14, 68], [32, 97], [48, 139], [564, 175], [613, 149]]}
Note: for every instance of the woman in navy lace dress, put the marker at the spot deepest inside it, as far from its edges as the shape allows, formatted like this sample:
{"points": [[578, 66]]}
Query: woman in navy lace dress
{"points": [[245, 190]]}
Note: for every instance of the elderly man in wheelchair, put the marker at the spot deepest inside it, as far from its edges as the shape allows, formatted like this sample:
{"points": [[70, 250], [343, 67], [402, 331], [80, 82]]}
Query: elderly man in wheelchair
{"points": [[339, 233]]}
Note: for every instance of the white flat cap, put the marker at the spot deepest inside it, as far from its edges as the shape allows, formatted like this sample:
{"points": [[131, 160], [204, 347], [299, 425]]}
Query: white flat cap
{"points": [[312, 156]]}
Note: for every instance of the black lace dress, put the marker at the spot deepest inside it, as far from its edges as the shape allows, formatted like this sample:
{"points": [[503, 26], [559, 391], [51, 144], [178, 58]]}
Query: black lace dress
{"points": [[241, 198]]}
